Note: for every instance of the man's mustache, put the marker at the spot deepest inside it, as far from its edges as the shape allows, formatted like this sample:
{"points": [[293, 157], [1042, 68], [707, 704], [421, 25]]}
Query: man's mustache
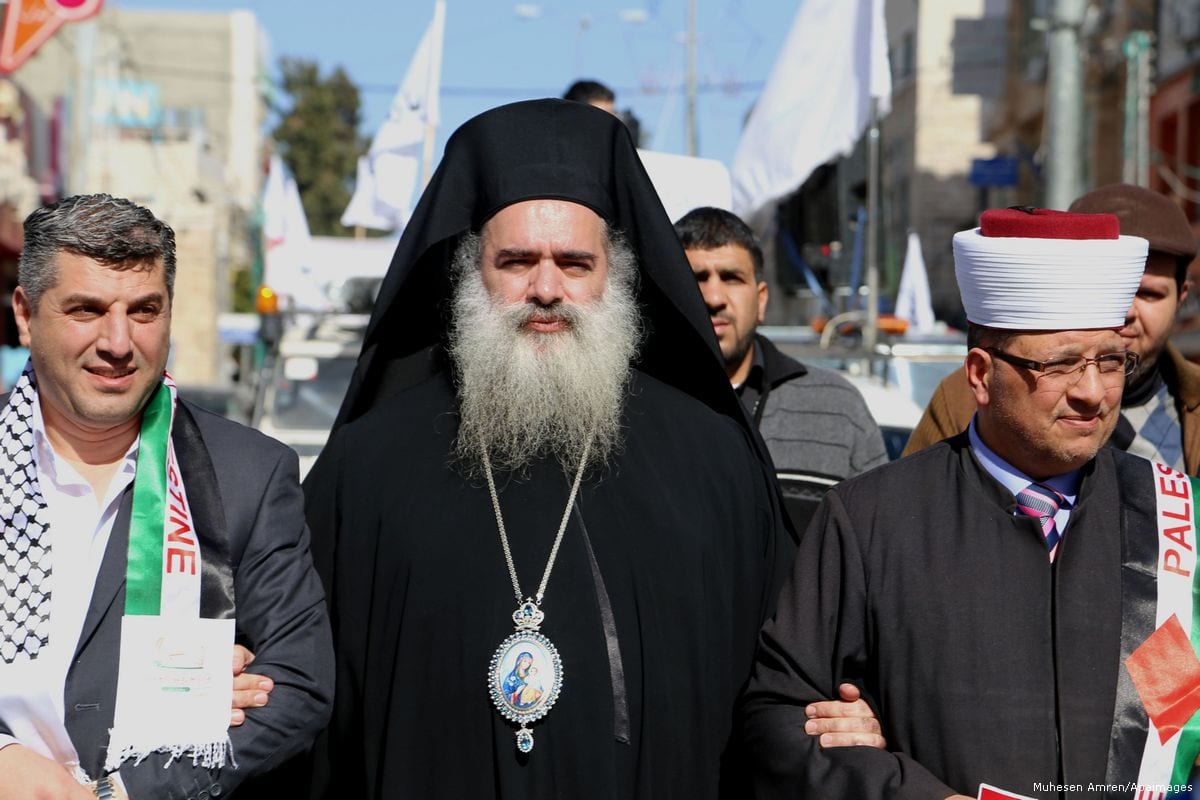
{"points": [[521, 314]]}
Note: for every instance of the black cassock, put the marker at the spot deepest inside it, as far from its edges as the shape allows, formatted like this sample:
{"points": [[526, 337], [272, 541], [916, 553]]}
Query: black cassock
{"points": [[654, 604], [665, 572], [985, 662]]}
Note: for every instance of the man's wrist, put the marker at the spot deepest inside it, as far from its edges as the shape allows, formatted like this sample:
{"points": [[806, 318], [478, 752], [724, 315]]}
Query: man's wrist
{"points": [[108, 788], [103, 788]]}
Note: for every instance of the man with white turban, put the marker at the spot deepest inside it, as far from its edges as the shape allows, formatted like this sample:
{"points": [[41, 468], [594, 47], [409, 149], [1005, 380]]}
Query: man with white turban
{"points": [[1016, 602]]}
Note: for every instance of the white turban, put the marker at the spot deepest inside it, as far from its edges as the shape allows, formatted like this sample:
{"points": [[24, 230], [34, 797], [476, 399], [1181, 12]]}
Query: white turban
{"points": [[1035, 269]]}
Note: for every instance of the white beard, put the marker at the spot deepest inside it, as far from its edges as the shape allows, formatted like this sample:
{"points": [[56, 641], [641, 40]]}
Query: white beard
{"points": [[525, 395]]}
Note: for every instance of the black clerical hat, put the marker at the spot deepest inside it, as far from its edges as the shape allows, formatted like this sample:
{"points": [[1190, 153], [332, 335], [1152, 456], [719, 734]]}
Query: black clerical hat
{"points": [[535, 150]]}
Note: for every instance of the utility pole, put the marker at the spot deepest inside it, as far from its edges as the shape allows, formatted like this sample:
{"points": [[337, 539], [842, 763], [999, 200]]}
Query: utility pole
{"points": [[693, 148], [871, 327], [81, 107], [1064, 105], [1138, 52]]}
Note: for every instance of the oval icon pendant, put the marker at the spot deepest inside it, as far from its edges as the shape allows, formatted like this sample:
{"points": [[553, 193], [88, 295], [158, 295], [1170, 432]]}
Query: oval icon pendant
{"points": [[524, 680]]}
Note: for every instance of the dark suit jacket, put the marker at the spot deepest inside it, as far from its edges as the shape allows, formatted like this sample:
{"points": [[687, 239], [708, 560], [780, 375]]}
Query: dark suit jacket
{"points": [[281, 617]]}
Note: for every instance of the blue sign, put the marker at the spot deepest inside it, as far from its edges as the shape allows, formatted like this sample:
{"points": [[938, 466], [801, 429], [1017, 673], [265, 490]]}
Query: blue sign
{"points": [[126, 104], [998, 171]]}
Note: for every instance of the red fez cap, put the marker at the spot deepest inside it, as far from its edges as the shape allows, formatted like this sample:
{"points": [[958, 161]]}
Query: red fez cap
{"points": [[1024, 222]]}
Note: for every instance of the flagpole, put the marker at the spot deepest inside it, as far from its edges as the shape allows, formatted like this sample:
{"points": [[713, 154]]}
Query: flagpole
{"points": [[871, 329], [433, 89], [427, 156], [692, 138]]}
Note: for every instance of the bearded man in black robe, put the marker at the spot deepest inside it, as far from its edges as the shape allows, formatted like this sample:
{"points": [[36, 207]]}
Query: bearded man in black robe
{"points": [[547, 532], [1018, 604]]}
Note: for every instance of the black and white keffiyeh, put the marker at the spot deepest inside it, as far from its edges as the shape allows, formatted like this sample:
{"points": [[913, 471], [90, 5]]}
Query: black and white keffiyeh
{"points": [[25, 569]]}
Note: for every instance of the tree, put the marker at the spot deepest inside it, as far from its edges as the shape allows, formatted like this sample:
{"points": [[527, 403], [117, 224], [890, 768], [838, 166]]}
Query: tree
{"points": [[318, 139]]}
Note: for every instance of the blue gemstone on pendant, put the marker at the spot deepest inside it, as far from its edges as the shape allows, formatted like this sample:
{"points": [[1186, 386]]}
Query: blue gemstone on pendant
{"points": [[524, 740]]}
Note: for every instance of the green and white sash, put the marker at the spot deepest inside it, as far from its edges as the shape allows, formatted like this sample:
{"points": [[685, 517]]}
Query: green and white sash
{"points": [[174, 686]]}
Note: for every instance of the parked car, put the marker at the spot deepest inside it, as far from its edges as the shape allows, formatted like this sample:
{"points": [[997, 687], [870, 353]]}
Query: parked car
{"points": [[896, 380], [305, 385]]}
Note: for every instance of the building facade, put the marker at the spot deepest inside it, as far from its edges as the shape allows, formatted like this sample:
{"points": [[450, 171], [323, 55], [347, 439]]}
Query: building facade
{"points": [[1175, 107], [945, 57], [168, 109]]}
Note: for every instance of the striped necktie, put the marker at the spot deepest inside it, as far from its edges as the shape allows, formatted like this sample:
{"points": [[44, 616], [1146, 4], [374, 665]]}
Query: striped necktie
{"points": [[1037, 500]]}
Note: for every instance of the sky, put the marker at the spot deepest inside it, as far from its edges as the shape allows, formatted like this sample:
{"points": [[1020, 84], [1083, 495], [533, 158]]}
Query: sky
{"points": [[498, 51]]}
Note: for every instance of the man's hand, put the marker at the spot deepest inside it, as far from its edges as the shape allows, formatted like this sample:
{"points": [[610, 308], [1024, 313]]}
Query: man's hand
{"points": [[844, 723], [249, 690], [25, 775]]}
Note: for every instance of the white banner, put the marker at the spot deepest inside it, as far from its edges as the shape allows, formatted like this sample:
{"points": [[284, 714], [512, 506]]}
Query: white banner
{"points": [[388, 179], [816, 102]]}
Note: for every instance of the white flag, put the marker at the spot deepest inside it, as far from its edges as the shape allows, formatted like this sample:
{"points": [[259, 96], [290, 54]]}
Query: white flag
{"points": [[394, 160], [363, 209], [684, 182], [912, 298], [287, 245], [817, 99], [274, 203]]}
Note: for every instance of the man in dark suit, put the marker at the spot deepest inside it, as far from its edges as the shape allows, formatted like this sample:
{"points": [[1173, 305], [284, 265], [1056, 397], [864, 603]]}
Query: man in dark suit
{"points": [[123, 510]]}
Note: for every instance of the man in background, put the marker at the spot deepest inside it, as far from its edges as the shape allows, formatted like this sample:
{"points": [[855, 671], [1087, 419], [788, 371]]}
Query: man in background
{"points": [[813, 420], [593, 93]]}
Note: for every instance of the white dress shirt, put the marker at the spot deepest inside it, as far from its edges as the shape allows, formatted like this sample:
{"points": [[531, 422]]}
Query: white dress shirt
{"points": [[79, 528]]}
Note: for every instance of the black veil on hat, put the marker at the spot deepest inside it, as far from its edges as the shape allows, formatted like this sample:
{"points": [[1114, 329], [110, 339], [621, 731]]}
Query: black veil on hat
{"points": [[539, 149]]}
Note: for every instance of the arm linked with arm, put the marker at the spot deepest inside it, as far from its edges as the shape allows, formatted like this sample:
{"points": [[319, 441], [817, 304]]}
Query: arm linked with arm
{"points": [[281, 617], [338, 769], [817, 640]]}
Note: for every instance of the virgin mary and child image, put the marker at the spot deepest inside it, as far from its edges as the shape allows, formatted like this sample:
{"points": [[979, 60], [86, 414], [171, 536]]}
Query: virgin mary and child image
{"points": [[522, 686]]}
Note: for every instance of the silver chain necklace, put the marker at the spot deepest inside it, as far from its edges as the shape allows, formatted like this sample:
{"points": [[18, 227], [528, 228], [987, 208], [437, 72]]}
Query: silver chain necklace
{"points": [[520, 690]]}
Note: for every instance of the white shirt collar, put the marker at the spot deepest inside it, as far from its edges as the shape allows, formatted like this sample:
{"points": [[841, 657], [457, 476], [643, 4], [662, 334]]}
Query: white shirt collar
{"points": [[1012, 478], [61, 472]]}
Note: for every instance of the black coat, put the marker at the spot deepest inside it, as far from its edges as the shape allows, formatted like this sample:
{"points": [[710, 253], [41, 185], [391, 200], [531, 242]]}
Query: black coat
{"points": [[984, 662], [665, 571], [654, 603]]}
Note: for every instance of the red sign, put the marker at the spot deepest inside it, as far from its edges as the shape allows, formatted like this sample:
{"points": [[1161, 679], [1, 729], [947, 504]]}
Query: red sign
{"points": [[992, 793], [1166, 674], [29, 23]]}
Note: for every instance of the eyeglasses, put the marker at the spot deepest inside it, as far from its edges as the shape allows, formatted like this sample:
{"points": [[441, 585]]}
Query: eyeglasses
{"points": [[1109, 365]]}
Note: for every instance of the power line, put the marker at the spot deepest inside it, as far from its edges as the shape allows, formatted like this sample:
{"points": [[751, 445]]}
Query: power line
{"points": [[709, 87]]}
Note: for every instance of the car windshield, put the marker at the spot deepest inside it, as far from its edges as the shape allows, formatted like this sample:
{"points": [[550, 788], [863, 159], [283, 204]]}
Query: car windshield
{"points": [[308, 391], [918, 378]]}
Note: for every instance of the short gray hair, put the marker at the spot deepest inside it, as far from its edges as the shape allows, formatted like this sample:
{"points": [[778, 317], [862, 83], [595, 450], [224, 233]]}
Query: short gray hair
{"points": [[112, 230]]}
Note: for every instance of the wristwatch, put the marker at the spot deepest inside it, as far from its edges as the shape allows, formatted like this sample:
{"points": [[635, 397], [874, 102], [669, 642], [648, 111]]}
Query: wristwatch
{"points": [[104, 788]]}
